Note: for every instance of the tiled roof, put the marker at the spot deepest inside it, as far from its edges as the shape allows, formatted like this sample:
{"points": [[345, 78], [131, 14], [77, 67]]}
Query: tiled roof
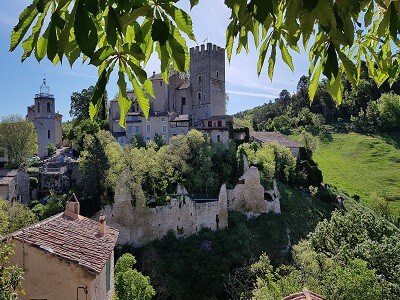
{"points": [[184, 85], [274, 137], [181, 118], [216, 118], [304, 295], [75, 240], [7, 176]]}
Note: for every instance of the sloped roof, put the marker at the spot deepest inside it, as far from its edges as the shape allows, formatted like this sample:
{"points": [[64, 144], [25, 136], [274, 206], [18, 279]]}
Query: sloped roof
{"points": [[7, 176], [181, 118], [304, 295], [75, 240], [274, 137], [184, 85]]}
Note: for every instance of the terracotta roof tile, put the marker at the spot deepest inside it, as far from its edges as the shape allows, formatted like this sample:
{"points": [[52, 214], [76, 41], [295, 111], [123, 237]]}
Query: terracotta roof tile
{"points": [[274, 137], [75, 240], [304, 295]]}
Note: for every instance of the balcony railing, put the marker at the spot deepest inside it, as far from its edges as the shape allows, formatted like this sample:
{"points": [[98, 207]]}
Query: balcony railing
{"points": [[44, 95]]}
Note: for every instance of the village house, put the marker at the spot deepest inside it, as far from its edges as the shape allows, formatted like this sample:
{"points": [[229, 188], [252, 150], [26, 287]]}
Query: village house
{"points": [[66, 256], [14, 185], [45, 119], [196, 101], [268, 137]]}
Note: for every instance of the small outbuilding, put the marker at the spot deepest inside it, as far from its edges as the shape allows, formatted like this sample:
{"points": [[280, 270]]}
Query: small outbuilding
{"points": [[14, 185], [268, 137]]}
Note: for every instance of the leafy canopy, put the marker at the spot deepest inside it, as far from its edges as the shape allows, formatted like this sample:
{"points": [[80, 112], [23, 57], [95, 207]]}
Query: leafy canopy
{"points": [[123, 34]]}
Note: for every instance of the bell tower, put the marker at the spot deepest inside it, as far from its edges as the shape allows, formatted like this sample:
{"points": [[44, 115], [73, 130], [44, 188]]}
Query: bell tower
{"points": [[45, 119]]}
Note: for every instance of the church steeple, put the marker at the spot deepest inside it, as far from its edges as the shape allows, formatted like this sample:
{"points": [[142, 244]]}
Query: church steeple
{"points": [[45, 90]]}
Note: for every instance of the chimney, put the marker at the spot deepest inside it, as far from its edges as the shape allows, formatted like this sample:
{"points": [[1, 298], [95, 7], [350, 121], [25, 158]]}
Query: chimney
{"points": [[72, 207], [102, 225]]}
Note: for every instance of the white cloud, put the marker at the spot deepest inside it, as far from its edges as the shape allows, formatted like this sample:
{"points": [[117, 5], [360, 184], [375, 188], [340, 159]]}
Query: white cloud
{"points": [[251, 94]]}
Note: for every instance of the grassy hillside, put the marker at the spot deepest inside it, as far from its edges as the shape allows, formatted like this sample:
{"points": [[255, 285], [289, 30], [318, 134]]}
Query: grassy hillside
{"points": [[362, 164]]}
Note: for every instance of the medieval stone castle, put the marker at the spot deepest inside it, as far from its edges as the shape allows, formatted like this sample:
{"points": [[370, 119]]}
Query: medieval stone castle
{"points": [[45, 119], [186, 102]]}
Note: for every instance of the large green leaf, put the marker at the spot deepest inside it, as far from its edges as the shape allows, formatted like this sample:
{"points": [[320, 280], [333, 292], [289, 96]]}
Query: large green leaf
{"points": [[85, 30], [98, 93], [160, 31], [287, 58], [142, 98], [182, 20], [25, 20], [102, 54], [123, 100], [113, 26], [312, 88]]}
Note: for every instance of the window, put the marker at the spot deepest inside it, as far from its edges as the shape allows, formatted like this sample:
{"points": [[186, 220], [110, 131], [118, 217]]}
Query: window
{"points": [[148, 128], [219, 123], [162, 119], [148, 139], [209, 124], [137, 129], [108, 275], [160, 83], [199, 78], [38, 107], [48, 134], [218, 138], [199, 96], [217, 74], [48, 106], [130, 129], [183, 100], [164, 129]]}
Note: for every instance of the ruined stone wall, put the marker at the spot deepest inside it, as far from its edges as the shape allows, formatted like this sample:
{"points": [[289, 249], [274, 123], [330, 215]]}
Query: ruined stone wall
{"points": [[140, 224], [249, 196]]}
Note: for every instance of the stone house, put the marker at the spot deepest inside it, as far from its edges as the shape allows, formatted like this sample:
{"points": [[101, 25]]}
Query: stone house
{"points": [[268, 137], [14, 185], [45, 119], [66, 256], [182, 104]]}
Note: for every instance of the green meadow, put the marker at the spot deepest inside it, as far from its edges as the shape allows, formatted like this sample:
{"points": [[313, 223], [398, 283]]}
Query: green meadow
{"points": [[362, 164]]}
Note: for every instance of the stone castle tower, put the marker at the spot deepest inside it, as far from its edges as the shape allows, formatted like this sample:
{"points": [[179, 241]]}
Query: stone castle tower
{"points": [[207, 80], [46, 121]]}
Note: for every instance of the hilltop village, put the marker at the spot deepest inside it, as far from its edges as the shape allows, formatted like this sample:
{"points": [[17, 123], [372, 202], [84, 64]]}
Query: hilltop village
{"points": [[187, 185], [191, 105]]}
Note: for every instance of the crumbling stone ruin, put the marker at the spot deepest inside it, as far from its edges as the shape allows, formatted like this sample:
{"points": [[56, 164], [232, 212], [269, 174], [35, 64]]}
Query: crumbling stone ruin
{"points": [[139, 223]]}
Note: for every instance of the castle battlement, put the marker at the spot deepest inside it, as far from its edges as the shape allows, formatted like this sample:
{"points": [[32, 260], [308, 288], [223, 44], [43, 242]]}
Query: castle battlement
{"points": [[204, 50]]}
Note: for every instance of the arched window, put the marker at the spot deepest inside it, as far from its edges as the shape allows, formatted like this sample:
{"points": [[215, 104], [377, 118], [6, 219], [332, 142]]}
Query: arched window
{"points": [[199, 78], [48, 134], [48, 106]]}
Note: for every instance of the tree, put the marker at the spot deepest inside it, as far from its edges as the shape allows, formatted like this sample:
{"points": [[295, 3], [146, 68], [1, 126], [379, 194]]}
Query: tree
{"points": [[10, 276], [309, 142], [389, 111], [19, 137], [123, 35], [129, 283], [80, 102], [14, 217]]}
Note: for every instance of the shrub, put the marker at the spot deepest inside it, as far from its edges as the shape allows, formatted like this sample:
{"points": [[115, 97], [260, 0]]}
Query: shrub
{"points": [[51, 149]]}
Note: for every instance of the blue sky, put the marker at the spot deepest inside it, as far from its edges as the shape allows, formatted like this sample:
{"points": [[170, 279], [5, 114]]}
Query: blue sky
{"points": [[19, 82]]}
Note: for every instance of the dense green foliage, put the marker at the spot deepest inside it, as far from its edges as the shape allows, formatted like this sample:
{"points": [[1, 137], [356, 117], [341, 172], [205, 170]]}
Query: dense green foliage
{"points": [[363, 165], [129, 283], [124, 33], [341, 259], [54, 205], [19, 137], [203, 266], [14, 217], [364, 108], [80, 102], [10, 276]]}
